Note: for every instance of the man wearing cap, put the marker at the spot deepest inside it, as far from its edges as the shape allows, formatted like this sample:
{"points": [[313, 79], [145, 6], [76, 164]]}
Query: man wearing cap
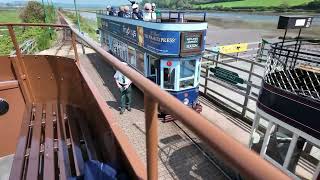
{"points": [[136, 14], [124, 84]]}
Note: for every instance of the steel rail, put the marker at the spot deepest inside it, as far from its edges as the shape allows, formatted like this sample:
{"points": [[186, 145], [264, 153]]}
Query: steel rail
{"points": [[243, 160]]}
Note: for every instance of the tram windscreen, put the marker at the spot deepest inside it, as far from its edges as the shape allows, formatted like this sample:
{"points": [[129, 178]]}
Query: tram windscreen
{"points": [[169, 77], [187, 72]]}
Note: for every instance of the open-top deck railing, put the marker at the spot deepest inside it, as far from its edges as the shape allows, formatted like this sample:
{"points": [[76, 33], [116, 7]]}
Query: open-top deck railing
{"points": [[243, 160], [295, 67], [174, 16]]}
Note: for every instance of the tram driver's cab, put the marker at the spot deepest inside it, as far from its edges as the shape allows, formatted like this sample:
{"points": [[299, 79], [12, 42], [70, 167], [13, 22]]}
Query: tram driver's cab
{"points": [[180, 77]]}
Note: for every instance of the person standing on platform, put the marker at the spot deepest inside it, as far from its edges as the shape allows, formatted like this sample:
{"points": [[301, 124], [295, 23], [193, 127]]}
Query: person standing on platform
{"points": [[124, 84]]}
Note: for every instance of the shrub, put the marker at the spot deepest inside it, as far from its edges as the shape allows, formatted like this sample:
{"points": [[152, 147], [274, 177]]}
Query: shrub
{"points": [[32, 13]]}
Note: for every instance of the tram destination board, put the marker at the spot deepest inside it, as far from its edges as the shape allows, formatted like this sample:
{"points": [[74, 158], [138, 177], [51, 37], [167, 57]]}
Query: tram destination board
{"points": [[227, 75], [191, 42]]}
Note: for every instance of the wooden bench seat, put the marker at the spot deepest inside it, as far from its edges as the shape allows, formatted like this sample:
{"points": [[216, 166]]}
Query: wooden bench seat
{"points": [[54, 143]]}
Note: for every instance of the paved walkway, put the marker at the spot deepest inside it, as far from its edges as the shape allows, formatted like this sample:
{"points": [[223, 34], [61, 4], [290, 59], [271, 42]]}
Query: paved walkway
{"points": [[179, 158]]}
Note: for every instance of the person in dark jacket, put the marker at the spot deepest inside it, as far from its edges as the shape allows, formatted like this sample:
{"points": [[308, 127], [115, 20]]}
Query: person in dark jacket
{"points": [[121, 11], [136, 14]]}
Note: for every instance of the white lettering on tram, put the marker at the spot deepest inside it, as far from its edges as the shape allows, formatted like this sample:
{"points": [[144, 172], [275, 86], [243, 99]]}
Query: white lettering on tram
{"points": [[160, 39]]}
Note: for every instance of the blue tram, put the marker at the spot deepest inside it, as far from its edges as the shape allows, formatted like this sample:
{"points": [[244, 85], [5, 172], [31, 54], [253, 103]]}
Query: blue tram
{"points": [[167, 52]]}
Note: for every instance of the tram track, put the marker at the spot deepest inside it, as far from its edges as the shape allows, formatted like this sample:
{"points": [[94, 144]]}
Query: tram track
{"points": [[203, 152]]}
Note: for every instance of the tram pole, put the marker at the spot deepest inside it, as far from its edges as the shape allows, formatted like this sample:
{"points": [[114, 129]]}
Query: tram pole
{"points": [[78, 20]]}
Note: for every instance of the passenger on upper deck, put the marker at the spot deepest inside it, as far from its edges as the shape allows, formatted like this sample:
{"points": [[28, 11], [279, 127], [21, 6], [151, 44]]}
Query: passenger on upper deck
{"points": [[108, 9], [154, 12], [121, 11], [136, 13], [126, 13], [147, 15], [153, 7]]}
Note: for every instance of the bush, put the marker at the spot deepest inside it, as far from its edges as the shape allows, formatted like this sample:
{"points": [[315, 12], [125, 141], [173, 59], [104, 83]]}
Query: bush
{"points": [[314, 5], [32, 13]]}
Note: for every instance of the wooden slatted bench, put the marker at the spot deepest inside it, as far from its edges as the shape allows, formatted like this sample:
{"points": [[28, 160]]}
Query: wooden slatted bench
{"points": [[54, 143]]}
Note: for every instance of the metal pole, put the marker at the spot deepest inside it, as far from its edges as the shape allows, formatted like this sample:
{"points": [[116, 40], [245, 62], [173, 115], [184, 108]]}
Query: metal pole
{"points": [[26, 87], [15, 42], [255, 126], [74, 45], [79, 26], [294, 59], [206, 81], [290, 151], [78, 18], [151, 115], [266, 139]]}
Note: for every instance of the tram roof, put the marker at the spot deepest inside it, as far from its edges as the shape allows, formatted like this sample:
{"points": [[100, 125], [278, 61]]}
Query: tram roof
{"points": [[163, 26]]}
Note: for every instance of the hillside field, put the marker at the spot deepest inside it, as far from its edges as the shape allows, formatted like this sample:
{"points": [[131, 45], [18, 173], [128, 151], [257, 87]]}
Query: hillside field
{"points": [[256, 3]]}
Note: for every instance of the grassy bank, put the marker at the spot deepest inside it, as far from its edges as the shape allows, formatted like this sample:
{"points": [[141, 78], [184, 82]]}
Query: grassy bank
{"points": [[9, 16], [44, 37], [87, 26]]}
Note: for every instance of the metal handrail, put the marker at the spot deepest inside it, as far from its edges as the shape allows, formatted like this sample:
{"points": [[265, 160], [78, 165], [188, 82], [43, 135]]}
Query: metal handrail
{"points": [[243, 160]]}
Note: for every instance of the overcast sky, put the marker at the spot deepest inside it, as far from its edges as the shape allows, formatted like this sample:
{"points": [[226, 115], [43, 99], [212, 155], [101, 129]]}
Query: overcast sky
{"points": [[81, 1]]}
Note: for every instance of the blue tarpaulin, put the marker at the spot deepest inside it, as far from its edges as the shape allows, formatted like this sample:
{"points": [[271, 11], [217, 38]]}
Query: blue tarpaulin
{"points": [[95, 170]]}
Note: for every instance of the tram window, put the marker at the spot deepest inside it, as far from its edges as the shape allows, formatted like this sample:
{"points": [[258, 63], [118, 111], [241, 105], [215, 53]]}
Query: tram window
{"points": [[132, 56], [140, 61], [169, 77], [187, 72], [152, 65]]}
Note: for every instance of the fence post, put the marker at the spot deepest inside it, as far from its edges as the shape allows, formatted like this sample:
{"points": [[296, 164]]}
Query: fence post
{"points": [[246, 99], [151, 115], [206, 81], [74, 45]]}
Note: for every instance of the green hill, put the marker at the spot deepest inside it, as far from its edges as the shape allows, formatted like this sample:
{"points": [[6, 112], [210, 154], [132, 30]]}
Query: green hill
{"points": [[256, 3]]}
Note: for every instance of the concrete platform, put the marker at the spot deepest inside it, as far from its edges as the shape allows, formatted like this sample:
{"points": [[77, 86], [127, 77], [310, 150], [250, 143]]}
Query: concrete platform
{"points": [[179, 158]]}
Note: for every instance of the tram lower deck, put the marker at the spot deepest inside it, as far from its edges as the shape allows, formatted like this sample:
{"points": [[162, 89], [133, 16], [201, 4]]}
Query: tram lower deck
{"points": [[169, 54]]}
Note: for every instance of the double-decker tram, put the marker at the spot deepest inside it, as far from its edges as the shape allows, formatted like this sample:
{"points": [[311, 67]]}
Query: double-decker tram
{"points": [[167, 51]]}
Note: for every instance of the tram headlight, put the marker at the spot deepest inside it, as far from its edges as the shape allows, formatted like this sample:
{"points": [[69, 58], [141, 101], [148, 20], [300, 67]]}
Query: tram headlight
{"points": [[186, 101]]}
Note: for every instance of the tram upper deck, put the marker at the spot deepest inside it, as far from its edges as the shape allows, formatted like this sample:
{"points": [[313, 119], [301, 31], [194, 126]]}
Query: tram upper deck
{"points": [[175, 34]]}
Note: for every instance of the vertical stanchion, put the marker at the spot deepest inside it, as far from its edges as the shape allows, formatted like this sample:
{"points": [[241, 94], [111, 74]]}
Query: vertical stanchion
{"points": [[266, 139], [206, 81], [255, 126], [246, 98], [20, 67], [151, 115], [15, 42], [290, 151], [74, 45]]}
